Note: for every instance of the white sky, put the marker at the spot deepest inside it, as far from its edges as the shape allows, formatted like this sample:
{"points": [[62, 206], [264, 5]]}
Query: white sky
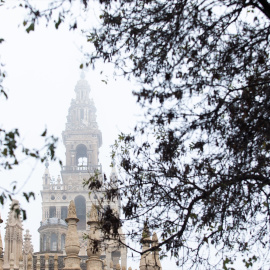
{"points": [[42, 70]]}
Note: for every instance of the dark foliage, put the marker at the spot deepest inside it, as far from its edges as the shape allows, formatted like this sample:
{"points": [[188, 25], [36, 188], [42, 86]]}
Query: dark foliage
{"points": [[198, 166], [10, 148]]}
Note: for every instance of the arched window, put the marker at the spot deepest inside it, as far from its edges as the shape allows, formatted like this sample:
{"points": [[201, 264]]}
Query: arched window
{"points": [[81, 212], [63, 241], [53, 242], [52, 211], [81, 155], [64, 211], [44, 243]]}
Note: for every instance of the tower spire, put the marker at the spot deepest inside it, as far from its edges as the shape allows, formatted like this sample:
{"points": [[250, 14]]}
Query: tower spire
{"points": [[82, 138], [13, 237]]}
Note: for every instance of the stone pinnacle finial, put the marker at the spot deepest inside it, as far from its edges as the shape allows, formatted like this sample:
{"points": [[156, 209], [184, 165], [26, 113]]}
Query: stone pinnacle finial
{"points": [[71, 211], [72, 248], [146, 234], [93, 215], [154, 239], [93, 244]]}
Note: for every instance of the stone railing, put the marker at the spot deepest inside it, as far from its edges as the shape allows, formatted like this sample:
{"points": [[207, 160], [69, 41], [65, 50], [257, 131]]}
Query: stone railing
{"points": [[82, 168]]}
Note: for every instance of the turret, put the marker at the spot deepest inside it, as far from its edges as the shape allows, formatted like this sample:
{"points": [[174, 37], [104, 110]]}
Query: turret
{"points": [[146, 258], [27, 248], [155, 253], [46, 176], [13, 237]]}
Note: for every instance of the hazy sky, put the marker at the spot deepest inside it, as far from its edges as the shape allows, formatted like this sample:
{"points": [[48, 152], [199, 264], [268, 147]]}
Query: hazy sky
{"points": [[42, 70]]}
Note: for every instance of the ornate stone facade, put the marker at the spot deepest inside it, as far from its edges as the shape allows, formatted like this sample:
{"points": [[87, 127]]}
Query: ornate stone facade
{"points": [[13, 238], [82, 139], [29, 261], [69, 211]]}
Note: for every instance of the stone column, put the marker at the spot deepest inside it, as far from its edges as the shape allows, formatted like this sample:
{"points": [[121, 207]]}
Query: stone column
{"points": [[93, 245], [55, 262], [58, 212], [29, 262], [72, 248], [58, 241], [46, 258], [38, 262], [11, 262], [21, 263], [48, 242]]}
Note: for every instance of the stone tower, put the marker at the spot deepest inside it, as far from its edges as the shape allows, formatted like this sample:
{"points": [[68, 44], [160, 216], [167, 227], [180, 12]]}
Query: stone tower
{"points": [[82, 140], [13, 238]]}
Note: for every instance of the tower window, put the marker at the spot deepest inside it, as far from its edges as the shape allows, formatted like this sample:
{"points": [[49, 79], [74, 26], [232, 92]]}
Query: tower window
{"points": [[52, 211], [53, 242], [44, 243], [63, 241], [64, 211], [81, 212]]}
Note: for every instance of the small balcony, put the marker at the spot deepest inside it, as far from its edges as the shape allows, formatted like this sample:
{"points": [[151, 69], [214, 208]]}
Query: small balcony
{"points": [[82, 168]]}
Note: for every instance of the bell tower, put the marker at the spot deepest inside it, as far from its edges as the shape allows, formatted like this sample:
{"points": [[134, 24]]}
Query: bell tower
{"points": [[82, 138]]}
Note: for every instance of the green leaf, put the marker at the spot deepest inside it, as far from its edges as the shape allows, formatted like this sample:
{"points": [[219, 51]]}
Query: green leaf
{"points": [[24, 214], [58, 23], [4, 93], [44, 133], [30, 28]]}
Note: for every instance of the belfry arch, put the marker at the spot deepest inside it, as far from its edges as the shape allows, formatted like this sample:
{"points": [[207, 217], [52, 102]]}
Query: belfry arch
{"points": [[81, 155]]}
